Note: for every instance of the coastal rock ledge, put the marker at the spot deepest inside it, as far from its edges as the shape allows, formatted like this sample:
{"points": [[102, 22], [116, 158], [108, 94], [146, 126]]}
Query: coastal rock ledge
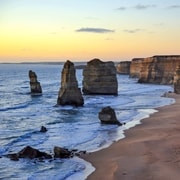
{"points": [[100, 78], [69, 93]]}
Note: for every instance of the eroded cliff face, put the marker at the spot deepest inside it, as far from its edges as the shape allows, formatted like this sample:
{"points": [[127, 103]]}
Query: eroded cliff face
{"points": [[158, 69], [100, 78], [69, 93], [177, 80], [135, 67], [123, 67]]}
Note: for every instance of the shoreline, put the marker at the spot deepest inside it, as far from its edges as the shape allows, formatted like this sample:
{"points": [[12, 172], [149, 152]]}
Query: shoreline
{"points": [[150, 150]]}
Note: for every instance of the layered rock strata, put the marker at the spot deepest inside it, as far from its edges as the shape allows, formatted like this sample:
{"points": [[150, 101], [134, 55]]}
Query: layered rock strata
{"points": [[158, 69], [69, 93], [100, 78], [123, 67], [35, 85], [177, 80]]}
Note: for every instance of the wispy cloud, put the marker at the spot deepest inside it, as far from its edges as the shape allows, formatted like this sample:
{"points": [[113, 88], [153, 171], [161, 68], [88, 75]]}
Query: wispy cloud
{"points": [[95, 30], [121, 8], [132, 31], [174, 6], [143, 7], [159, 24], [137, 7]]}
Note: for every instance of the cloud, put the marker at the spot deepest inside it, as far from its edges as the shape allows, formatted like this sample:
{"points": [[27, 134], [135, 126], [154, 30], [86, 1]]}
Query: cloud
{"points": [[159, 24], [174, 7], [131, 31], [121, 8], [143, 7], [95, 30]]}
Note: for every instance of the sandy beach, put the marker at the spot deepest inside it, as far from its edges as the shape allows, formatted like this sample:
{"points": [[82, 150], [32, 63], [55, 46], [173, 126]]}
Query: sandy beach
{"points": [[150, 151]]}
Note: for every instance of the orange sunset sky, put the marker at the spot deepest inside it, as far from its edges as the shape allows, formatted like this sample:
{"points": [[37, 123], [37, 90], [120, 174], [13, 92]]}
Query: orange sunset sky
{"points": [[80, 30]]}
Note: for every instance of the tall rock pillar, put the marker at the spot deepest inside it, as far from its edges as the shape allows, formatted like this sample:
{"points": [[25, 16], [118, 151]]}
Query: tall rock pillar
{"points": [[35, 85], [177, 80], [69, 93]]}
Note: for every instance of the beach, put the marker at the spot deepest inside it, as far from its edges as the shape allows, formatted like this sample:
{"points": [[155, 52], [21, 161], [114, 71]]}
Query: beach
{"points": [[150, 150]]}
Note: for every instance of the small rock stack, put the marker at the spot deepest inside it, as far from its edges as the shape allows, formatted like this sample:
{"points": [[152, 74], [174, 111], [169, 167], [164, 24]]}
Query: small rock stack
{"points": [[34, 84], [107, 115]]}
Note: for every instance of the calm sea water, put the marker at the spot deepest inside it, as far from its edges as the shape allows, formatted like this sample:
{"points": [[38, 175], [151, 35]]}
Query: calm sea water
{"points": [[21, 117]]}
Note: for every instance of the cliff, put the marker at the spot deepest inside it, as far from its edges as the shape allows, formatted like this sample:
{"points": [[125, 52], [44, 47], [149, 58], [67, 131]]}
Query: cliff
{"points": [[135, 67], [158, 69], [100, 78], [123, 67], [69, 93], [177, 80]]}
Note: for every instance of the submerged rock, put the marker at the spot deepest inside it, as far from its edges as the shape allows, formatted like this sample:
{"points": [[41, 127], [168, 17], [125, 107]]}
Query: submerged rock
{"points": [[34, 84], [107, 116], [69, 93], [100, 78], [43, 129], [177, 80]]}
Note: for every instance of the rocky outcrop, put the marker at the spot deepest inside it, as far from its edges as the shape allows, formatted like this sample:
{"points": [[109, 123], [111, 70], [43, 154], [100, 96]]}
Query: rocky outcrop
{"points": [[60, 152], [107, 116], [158, 69], [177, 80], [34, 84], [135, 67], [100, 78], [123, 67], [30, 153], [69, 93]]}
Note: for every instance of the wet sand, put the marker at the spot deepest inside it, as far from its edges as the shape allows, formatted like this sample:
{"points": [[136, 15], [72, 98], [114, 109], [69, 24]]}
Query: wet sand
{"points": [[150, 151]]}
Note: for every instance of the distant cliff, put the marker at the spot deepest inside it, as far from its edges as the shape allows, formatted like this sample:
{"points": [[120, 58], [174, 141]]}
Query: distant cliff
{"points": [[123, 67], [135, 67], [158, 69]]}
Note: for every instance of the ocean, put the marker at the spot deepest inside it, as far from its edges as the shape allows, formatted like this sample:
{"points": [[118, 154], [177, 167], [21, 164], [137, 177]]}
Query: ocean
{"points": [[22, 115]]}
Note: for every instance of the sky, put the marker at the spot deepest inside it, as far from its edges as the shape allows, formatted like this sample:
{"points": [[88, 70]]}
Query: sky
{"points": [[80, 30]]}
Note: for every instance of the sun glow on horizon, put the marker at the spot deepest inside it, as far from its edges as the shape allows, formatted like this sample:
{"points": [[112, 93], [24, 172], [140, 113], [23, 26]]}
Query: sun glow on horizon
{"points": [[59, 30]]}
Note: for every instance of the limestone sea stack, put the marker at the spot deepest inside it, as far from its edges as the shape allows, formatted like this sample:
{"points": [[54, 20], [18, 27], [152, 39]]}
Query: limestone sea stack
{"points": [[177, 80], [100, 78], [35, 85], [123, 67], [69, 93]]}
